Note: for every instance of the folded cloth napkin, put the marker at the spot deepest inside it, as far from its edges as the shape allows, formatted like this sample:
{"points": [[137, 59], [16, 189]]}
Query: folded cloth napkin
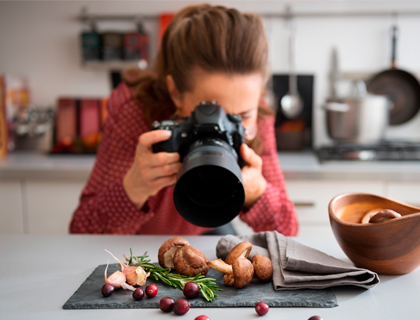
{"points": [[296, 266]]}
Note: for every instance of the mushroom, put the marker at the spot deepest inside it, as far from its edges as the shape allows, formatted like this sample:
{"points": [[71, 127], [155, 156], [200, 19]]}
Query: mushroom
{"points": [[190, 261], [228, 280], [239, 274], [168, 249], [243, 271], [237, 268], [263, 268], [241, 250]]}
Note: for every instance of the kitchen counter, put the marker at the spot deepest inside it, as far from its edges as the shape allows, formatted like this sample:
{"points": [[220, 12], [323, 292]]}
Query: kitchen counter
{"points": [[40, 272], [295, 165]]}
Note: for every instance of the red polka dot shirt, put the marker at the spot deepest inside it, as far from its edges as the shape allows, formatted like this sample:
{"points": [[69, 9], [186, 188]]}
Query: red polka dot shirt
{"points": [[105, 208]]}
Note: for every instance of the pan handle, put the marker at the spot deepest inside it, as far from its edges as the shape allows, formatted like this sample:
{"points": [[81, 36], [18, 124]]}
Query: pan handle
{"points": [[394, 34]]}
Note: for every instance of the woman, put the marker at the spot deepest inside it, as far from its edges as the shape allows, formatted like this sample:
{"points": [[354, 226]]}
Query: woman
{"points": [[207, 53]]}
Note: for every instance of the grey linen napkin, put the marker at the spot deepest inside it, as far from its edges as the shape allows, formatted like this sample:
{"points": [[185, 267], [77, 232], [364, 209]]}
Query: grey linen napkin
{"points": [[296, 266]]}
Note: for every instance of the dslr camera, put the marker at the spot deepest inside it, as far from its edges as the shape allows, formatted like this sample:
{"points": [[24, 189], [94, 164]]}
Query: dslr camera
{"points": [[209, 190]]}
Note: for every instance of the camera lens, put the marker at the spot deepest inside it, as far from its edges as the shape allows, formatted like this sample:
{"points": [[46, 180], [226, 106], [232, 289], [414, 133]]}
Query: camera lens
{"points": [[210, 180], [209, 191]]}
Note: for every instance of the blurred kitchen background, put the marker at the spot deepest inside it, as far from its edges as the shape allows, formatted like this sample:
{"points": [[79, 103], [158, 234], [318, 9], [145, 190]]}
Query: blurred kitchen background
{"points": [[60, 60]]}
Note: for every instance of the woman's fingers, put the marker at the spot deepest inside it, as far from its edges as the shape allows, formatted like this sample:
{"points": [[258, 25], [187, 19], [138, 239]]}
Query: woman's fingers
{"points": [[162, 171], [148, 139], [250, 157], [163, 158], [160, 183]]}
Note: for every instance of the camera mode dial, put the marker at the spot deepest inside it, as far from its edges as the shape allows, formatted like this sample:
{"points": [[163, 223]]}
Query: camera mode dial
{"points": [[234, 117]]}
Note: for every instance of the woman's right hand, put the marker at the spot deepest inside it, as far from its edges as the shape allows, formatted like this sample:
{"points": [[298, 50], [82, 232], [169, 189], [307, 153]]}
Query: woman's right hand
{"points": [[150, 172]]}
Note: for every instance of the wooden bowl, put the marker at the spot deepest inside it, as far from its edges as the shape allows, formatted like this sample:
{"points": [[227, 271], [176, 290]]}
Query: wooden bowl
{"points": [[389, 247]]}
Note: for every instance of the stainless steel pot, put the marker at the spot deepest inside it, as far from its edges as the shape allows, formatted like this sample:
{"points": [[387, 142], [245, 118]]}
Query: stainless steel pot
{"points": [[360, 118]]}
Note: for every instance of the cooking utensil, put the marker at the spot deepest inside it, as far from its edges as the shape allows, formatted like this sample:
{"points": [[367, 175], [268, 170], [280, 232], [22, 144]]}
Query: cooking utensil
{"points": [[388, 247], [291, 103], [334, 74], [402, 88], [360, 118]]}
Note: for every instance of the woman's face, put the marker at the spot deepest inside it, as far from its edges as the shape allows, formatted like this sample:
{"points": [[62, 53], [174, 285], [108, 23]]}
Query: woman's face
{"points": [[237, 93]]}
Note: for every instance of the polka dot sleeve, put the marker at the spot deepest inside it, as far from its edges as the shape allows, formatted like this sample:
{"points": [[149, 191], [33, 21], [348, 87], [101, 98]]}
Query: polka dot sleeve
{"points": [[274, 210], [104, 206]]}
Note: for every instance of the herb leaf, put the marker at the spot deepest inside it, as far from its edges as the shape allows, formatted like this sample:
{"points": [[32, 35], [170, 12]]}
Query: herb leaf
{"points": [[208, 286]]}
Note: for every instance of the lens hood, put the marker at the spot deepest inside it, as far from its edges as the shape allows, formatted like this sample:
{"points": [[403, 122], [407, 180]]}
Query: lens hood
{"points": [[209, 190]]}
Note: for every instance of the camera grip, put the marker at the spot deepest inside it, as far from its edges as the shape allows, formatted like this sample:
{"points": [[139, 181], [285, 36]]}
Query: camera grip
{"points": [[164, 146]]}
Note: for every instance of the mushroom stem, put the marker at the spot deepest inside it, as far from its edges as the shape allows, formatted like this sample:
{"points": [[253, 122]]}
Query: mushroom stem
{"points": [[221, 266]]}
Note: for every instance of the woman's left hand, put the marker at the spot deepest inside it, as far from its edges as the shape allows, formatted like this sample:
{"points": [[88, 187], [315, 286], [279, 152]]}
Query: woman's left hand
{"points": [[252, 178]]}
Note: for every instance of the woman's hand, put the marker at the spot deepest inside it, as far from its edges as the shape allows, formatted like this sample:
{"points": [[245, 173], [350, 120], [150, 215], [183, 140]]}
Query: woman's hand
{"points": [[252, 178], [150, 172]]}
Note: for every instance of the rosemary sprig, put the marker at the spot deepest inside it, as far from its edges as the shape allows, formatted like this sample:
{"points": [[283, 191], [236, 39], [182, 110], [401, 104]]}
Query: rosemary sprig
{"points": [[208, 286]]}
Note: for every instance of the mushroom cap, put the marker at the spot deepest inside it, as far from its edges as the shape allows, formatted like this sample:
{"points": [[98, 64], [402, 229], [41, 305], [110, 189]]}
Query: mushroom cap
{"points": [[243, 271], [241, 250], [167, 250], [190, 261], [263, 268]]}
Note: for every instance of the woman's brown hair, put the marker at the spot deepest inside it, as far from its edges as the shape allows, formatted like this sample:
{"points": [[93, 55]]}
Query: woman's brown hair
{"points": [[212, 38]]}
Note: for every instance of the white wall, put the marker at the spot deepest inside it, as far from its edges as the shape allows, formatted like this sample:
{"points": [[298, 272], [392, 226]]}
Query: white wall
{"points": [[40, 39]]}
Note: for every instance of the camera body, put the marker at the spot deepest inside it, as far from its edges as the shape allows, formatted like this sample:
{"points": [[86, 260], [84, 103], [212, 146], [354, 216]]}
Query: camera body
{"points": [[209, 190], [208, 123]]}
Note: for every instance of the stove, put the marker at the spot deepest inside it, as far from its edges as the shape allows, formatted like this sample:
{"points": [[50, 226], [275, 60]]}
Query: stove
{"points": [[384, 151]]}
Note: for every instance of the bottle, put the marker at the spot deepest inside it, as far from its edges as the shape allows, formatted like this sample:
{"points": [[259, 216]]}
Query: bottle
{"points": [[136, 46], [90, 42]]}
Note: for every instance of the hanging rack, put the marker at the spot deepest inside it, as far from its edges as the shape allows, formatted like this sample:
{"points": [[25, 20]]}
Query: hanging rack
{"points": [[84, 16]]}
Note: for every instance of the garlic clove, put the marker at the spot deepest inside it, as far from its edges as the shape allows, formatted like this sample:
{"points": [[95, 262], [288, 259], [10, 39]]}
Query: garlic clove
{"points": [[127, 287], [116, 279], [136, 276]]}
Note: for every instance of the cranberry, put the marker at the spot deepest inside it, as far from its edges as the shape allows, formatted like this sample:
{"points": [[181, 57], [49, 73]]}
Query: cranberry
{"points": [[166, 304], [315, 318], [107, 290], [191, 290], [151, 290], [261, 308], [138, 294], [181, 306], [202, 318]]}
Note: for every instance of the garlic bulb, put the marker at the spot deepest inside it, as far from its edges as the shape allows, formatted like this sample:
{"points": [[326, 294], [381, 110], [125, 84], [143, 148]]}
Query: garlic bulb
{"points": [[133, 276]]}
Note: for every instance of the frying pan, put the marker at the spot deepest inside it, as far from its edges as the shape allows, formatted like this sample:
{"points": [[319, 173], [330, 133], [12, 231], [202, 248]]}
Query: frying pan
{"points": [[401, 87]]}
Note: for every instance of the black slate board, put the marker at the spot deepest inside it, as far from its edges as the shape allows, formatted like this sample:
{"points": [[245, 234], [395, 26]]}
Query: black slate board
{"points": [[89, 296]]}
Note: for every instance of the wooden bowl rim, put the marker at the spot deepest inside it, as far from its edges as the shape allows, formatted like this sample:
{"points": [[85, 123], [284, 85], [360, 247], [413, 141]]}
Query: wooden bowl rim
{"points": [[342, 195]]}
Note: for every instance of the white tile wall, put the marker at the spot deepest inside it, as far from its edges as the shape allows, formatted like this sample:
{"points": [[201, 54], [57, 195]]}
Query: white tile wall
{"points": [[40, 40]]}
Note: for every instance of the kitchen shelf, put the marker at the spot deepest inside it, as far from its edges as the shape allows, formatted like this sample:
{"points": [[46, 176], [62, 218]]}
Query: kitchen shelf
{"points": [[364, 75], [281, 15], [108, 65]]}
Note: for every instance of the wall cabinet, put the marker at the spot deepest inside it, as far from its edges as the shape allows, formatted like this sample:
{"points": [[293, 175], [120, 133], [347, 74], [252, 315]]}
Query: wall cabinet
{"points": [[38, 206], [11, 210], [406, 192], [45, 206], [311, 200], [50, 205]]}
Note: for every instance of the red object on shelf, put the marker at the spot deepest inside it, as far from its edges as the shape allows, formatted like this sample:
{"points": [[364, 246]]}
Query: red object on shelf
{"points": [[164, 20], [66, 119], [3, 123], [136, 46], [89, 117], [104, 110]]}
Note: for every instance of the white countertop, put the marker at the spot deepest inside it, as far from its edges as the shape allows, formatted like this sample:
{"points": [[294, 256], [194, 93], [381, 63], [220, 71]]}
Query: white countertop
{"points": [[295, 165], [40, 272]]}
